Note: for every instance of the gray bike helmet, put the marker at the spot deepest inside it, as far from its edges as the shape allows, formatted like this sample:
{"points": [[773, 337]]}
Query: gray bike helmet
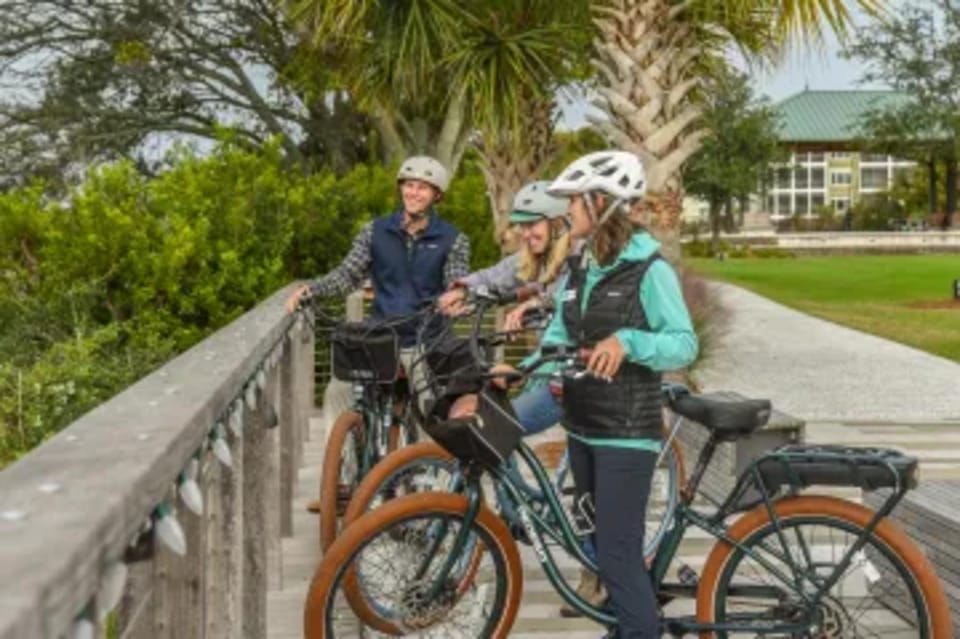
{"points": [[532, 203], [426, 169]]}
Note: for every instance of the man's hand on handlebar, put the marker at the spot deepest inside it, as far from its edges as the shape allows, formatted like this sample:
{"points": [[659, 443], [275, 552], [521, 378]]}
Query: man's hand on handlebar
{"points": [[453, 302], [299, 295]]}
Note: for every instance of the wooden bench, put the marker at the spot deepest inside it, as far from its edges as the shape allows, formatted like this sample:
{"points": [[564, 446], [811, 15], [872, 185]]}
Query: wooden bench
{"points": [[731, 458]]}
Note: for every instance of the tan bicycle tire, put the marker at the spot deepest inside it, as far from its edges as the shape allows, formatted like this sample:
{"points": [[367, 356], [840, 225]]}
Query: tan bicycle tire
{"points": [[360, 504], [887, 532], [373, 522], [346, 422]]}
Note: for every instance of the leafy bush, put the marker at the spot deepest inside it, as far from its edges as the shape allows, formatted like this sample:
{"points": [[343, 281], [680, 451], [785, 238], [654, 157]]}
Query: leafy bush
{"points": [[876, 213], [102, 287]]}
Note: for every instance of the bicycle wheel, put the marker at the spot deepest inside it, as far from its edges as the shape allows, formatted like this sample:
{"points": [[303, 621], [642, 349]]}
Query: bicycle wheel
{"points": [[341, 472], [416, 468], [888, 590], [422, 467], [388, 546]]}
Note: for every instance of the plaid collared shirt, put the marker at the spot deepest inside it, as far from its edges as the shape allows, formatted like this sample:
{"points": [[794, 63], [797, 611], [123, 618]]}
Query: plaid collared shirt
{"points": [[356, 266]]}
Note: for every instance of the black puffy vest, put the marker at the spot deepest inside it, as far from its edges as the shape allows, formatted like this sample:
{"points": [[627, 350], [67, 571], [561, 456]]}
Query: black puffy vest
{"points": [[630, 405]]}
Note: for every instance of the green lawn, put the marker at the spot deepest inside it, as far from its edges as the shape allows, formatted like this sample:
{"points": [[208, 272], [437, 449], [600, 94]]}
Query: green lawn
{"points": [[883, 295]]}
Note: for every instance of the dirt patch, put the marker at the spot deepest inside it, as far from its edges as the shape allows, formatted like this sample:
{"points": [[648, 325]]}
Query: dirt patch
{"points": [[937, 304]]}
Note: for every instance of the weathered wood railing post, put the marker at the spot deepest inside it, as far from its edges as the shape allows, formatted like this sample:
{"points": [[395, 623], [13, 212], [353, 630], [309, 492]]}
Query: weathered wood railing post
{"points": [[70, 510]]}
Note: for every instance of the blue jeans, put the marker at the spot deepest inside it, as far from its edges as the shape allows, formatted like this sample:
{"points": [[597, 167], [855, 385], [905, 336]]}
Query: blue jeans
{"points": [[536, 409]]}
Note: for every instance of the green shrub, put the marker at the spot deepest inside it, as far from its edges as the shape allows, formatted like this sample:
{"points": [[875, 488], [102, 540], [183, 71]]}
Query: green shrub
{"points": [[101, 287]]}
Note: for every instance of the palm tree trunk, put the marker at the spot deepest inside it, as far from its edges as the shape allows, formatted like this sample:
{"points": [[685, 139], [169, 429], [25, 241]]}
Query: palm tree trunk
{"points": [[645, 57], [508, 162]]}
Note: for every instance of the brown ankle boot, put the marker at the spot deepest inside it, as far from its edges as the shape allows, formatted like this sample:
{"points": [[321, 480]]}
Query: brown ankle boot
{"points": [[590, 589]]}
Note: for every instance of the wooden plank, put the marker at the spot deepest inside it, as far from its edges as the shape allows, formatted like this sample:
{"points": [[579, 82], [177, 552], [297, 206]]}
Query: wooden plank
{"points": [[256, 462], [178, 582], [291, 441]]}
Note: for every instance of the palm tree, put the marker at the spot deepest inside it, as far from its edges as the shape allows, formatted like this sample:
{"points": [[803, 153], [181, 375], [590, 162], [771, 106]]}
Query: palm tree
{"points": [[438, 75], [652, 55]]}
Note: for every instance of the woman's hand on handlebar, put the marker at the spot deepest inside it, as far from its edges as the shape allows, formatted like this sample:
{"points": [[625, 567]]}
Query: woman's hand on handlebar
{"points": [[299, 295], [505, 376], [606, 358], [514, 319]]}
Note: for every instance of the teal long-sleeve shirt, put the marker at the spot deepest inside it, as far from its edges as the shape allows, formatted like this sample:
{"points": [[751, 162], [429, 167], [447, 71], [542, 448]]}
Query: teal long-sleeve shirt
{"points": [[669, 344]]}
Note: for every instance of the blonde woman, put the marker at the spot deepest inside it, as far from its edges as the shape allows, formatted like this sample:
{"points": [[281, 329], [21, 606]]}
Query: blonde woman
{"points": [[544, 231]]}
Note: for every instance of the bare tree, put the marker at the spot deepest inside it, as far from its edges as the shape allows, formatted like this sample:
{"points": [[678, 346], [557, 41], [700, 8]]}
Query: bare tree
{"points": [[92, 79]]}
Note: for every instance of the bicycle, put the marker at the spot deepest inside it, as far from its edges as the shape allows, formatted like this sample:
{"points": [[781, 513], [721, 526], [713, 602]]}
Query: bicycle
{"points": [[791, 564], [427, 465], [386, 408], [366, 354]]}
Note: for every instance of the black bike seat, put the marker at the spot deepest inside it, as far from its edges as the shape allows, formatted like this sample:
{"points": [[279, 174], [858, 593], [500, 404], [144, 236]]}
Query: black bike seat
{"points": [[729, 419]]}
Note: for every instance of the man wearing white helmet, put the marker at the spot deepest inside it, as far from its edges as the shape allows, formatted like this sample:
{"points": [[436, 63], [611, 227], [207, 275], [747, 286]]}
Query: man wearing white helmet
{"points": [[625, 306], [411, 255]]}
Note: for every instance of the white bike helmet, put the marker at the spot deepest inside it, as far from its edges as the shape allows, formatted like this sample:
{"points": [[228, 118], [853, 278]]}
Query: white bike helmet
{"points": [[616, 173], [532, 203], [427, 169]]}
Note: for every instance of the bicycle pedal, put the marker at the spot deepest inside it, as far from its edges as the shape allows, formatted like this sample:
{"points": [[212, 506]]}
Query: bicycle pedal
{"points": [[520, 534], [687, 575]]}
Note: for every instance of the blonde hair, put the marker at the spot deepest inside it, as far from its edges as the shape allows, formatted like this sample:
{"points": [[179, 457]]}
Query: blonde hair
{"points": [[546, 267]]}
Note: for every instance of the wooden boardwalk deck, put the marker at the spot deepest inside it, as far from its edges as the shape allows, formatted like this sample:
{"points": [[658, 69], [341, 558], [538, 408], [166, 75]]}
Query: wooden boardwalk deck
{"points": [[538, 614]]}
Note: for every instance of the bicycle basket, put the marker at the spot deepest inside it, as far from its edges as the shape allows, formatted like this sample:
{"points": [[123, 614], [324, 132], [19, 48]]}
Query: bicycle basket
{"points": [[489, 436], [365, 352], [453, 368], [800, 466]]}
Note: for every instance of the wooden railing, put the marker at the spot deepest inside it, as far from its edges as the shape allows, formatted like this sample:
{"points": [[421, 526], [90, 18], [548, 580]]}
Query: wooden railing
{"points": [[92, 523]]}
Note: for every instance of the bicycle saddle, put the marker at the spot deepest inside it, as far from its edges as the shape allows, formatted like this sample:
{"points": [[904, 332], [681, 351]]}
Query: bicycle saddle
{"points": [[729, 419]]}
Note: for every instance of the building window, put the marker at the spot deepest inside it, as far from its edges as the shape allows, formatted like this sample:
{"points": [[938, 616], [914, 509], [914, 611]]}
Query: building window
{"points": [[840, 155], [800, 178], [873, 178], [783, 178], [816, 201], [802, 202], [816, 157], [841, 204], [783, 204], [841, 177], [873, 157], [816, 178]]}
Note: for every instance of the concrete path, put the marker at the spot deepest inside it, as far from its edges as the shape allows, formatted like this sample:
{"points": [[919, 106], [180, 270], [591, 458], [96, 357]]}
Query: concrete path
{"points": [[820, 371]]}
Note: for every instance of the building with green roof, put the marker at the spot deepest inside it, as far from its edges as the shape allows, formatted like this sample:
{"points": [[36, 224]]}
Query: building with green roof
{"points": [[822, 130]]}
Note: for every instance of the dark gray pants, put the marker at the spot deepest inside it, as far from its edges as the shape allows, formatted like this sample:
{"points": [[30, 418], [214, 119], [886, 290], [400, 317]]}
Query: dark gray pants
{"points": [[619, 480]]}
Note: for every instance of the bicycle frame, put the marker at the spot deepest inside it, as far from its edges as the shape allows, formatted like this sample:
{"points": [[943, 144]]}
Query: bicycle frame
{"points": [[546, 522]]}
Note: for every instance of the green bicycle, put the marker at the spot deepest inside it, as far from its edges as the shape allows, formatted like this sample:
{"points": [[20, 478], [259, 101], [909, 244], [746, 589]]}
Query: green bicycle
{"points": [[786, 564]]}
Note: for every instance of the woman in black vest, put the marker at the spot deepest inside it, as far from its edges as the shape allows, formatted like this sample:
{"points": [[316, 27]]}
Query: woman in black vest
{"points": [[624, 304]]}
